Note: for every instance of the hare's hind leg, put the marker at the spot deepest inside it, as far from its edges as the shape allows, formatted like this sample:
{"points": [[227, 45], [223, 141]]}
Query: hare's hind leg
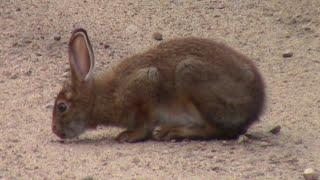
{"points": [[137, 98], [168, 133], [182, 120], [199, 81], [131, 136], [215, 94]]}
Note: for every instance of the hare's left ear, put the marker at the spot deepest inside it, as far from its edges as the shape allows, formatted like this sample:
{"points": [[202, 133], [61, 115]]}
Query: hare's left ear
{"points": [[81, 57]]}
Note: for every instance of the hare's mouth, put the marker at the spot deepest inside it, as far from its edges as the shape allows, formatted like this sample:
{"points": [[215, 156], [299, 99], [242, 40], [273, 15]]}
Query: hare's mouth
{"points": [[65, 134], [58, 132], [68, 134], [74, 129]]}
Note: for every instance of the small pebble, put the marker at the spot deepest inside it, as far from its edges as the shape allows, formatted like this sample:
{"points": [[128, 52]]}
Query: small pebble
{"points": [[287, 54], [15, 76], [111, 53], [243, 139], [221, 6], [104, 163], [307, 19], [310, 174], [136, 161], [15, 44], [275, 130], [216, 168], [26, 41], [57, 38], [157, 36], [29, 72], [307, 28]]}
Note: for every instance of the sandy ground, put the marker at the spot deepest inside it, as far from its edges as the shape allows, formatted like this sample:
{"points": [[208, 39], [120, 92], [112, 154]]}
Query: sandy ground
{"points": [[33, 63]]}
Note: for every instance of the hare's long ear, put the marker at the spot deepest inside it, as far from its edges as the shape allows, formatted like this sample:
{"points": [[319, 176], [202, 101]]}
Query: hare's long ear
{"points": [[81, 56]]}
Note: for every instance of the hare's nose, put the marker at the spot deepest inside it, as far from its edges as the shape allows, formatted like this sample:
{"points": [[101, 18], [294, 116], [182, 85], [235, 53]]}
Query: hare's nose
{"points": [[62, 135]]}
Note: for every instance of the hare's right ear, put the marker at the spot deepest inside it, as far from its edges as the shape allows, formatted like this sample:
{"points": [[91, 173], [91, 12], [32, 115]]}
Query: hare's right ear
{"points": [[81, 57]]}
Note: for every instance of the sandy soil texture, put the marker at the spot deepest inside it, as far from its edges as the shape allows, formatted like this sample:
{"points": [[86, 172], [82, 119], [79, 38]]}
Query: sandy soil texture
{"points": [[33, 63]]}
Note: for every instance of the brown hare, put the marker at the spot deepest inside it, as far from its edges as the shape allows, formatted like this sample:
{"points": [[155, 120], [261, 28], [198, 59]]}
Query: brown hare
{"points": [[184, 88]]}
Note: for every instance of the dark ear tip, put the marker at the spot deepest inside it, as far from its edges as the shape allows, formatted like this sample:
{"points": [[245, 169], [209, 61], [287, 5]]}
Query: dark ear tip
{"points": [[76, 32], [79, 30]]}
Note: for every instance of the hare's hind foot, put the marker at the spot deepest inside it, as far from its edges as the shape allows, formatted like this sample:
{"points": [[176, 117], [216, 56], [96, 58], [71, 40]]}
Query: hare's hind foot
{"points": [[169, 133], [132, 136]]}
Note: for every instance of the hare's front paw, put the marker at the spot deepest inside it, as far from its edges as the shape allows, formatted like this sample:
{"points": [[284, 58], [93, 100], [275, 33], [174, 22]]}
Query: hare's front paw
{"points": [[132, 136], [180, 133]]}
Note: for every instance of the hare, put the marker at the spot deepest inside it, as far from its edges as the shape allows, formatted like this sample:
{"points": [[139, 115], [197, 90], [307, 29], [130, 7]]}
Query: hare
{"points": [[184, 88]]}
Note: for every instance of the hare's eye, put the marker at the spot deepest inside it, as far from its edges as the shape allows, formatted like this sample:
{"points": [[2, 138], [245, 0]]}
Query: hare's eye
{"points": [[62, 107]]}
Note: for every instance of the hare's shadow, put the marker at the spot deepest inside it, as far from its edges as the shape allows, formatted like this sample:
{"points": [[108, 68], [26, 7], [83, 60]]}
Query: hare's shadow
{"points": [[89, 141], [109, 140]]}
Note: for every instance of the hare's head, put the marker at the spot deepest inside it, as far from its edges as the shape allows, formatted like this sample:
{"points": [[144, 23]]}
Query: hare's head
{"points": [[74, 103]]}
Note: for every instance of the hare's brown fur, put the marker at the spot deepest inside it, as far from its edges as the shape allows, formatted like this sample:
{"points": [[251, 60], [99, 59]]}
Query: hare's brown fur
{"points": [[189, 88]]}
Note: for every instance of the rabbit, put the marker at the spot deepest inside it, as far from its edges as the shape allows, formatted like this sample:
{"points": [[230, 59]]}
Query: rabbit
{"points": [[189, 88]]}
